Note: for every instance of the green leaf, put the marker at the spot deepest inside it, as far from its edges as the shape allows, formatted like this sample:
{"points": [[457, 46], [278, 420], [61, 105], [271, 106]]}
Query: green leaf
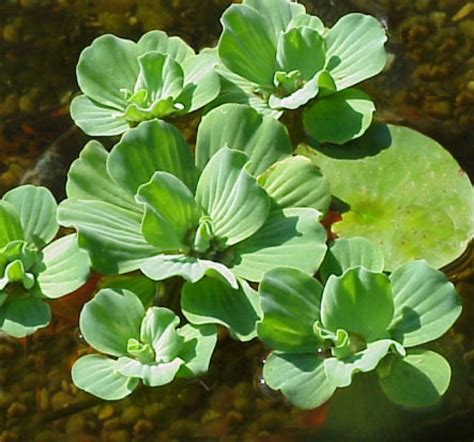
{"points": [[106, 68], [298, 98], [290, 237], [145, 288], [151, 147], [237, 206], [152, 375], [88, 179], [296, 182], [264, 139], [160, 76], [309, 21], [426, 304], [96, 119], [300, 377], [405, 192], [201, 82], [341, 371], [213, 301], [66, 267], [199, 344], [280, 13], [159, 41], [159, 330], [110, 319], [190, 268], [111, 235], [290, 302], [358, 301], [10, 224], [97, 375], [171, 212], [340, 117], [417, 380], [36, 208], [20, 317], [347, 253], [355, 49], [247, 45], [302, 50]]}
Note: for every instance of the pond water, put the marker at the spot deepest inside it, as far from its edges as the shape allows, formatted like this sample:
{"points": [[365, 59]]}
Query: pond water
{"points": [[429, 86]]}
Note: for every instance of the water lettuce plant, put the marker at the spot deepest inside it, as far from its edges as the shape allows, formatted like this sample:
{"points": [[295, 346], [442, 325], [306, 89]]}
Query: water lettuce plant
{"points": [[301, 63], [361, 320], [141, 345], [145, 206], [33, 267], [124, 82]]}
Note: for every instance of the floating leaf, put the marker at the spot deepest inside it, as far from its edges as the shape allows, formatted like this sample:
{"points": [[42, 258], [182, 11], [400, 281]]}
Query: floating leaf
{"points": [[10, 224], [405, 192]]}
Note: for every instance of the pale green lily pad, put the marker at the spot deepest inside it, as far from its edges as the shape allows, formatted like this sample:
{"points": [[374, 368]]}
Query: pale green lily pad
{"points": [[406, 193]]}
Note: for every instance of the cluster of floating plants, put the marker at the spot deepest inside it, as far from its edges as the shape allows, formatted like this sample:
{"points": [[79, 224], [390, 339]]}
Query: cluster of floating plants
{"points": [[242, 218]]}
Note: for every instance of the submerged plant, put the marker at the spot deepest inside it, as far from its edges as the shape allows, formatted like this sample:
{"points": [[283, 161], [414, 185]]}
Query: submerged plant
{"points": [[280, 58], [145, 346], [124, 82], [33, 269], [361, 320]]}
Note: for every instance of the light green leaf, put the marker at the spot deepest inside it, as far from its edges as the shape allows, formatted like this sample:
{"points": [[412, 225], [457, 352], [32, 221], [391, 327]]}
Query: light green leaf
{"points": [[36, 208], [296, 182], [152, 146], [237, 206], [213, 301], [290, 302], [201, 81], [247, 45], [281, 13], [405, 192], [346, 253], [340, 117], [10, 224], [111, 235], [152, 375], [340, 371], [309, 21], [190, 268], [159, 330], [355, 49], [199, 344], [106, 68], [296, 99], [159, 41], [300, 377], [417, 380], [289, 238], [302, 50], [171, 212], [96, 119], [145, 288], [358, 301], [97, 375], [110, 319], [20, 317], [66, 267], [88, 179], [264, 139], [160, 75], [426, 304]]}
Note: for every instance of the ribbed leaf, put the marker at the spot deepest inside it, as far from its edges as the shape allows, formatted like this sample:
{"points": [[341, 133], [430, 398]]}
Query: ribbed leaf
{"points": [[290, 237], [97, 375], [152, 375], [10, 224], [152, 146], [262, 138], [159, 41], [237, 206]]}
